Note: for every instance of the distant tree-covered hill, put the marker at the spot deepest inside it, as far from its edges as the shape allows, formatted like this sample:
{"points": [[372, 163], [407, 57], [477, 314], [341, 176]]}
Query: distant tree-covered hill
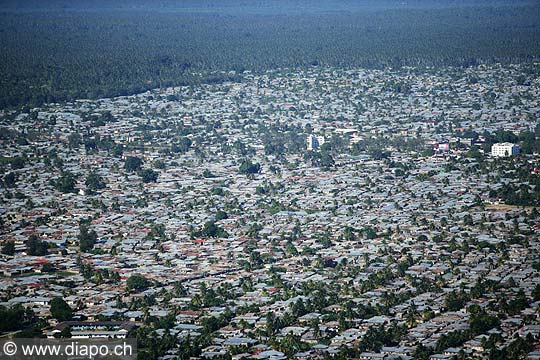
{"points": [[62, 50]]}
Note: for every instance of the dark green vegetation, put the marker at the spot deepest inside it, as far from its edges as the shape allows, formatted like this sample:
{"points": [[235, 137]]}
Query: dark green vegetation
{"points": [[247, 167], [65, 183], [8, 248], [132, 163], [94, 181], [526, 192], [15, 318], [210, 230], [149, 175], [87, 238], [137, 283], [64, 50], [60, 309], [36, 247]]}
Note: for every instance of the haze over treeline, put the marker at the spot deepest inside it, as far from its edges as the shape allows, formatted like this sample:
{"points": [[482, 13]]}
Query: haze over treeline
{"points": [[61, 50], [242, 6]]}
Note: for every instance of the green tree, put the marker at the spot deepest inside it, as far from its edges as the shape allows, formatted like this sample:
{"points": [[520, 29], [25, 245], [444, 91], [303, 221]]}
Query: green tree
{"points": [[94, 181], [207, 174], [36, 247], [15, 318], [369, 232], [118, 150], [182, 146], [220, 215], [480, 321], [132, 164], [422, 238], [60, 309], [474, 153], [148, 175], [455, 300], [211, 229], [536, 292], [74, 140], [422, 352], [17, 162], [65, 183], [137, 282], [47, 268], [87, 238], [247, 167], [8, 248], [10, 179]]}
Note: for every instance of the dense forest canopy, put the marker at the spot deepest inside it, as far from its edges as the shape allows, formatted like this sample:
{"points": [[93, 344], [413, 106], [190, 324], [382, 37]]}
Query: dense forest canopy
{"points": [[243, 6], [59, 50]]}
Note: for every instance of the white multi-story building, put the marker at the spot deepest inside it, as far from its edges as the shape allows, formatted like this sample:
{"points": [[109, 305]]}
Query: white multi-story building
{"points": [[504, 149], [314, 142]]}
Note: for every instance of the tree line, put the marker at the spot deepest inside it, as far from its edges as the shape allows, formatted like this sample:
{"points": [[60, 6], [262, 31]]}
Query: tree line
{"points": [[53, 55]]}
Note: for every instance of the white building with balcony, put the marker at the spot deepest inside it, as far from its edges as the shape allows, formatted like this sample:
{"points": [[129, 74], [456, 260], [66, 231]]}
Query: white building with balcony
{"points": [[504, 149]]}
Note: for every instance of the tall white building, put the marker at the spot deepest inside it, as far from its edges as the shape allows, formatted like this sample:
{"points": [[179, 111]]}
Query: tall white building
{"points": [[504, 149], [314, 142]]}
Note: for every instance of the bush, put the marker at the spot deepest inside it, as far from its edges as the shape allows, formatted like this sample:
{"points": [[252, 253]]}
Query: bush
{"points": [[36, 247], [149, 175], [87, 238], [60, 309], [137, 282], [65, 183], [8, 248], [94, 181], [247, 167], [132, 164]]}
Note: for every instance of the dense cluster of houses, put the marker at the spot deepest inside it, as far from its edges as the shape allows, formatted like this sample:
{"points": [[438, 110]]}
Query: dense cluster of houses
{"points": [[391, 237]]}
